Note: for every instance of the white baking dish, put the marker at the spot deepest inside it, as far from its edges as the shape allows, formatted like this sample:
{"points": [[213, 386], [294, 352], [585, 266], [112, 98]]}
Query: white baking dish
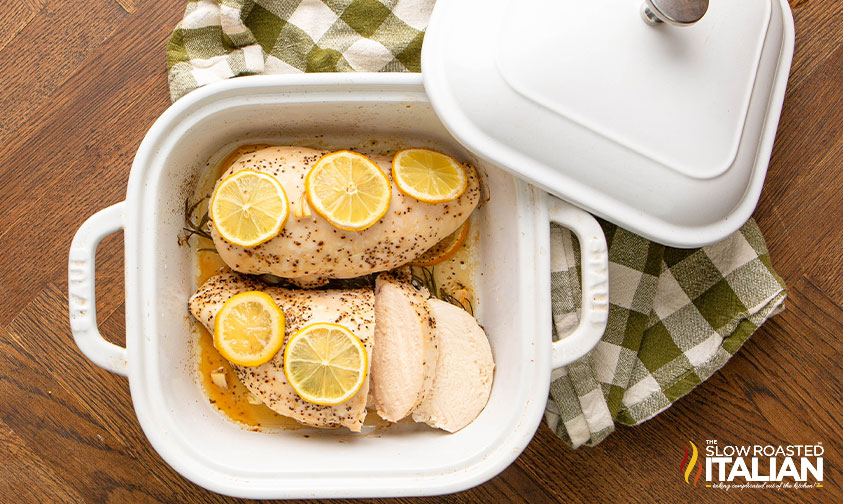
{"points": [[513, 291]]}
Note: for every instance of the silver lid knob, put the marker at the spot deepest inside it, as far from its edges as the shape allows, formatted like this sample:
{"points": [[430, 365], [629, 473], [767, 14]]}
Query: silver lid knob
{"points": [[675, 12]]}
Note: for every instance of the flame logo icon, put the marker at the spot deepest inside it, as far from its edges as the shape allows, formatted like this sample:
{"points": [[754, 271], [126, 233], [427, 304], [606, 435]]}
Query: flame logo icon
{"points": [[687, 467]]}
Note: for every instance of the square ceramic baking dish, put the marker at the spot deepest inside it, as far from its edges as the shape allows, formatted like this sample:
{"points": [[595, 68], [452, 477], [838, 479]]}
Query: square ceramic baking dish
{"points": [[512, 286]]}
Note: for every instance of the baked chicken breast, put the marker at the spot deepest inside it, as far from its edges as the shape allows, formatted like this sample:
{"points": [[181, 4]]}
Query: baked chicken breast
{"points": [[463, 377], [354, 309], [405, 353], [309, 250]]}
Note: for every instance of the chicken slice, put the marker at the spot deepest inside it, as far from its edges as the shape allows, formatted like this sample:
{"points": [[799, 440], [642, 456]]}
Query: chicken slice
{"points": [[309, 250], [352, 309], [405, 352], [463, 377]]}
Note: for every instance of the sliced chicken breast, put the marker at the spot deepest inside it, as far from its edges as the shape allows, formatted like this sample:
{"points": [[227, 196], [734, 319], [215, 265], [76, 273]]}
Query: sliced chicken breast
{"points": [[310, 250], [353, 309], [405, 352], [463, 377]]}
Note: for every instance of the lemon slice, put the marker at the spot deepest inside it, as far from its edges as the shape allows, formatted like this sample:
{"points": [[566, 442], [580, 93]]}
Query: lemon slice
{"points": [[249, 208], [249, 329], [443, 250], [348, 190], [428, 176], [325, 363]]}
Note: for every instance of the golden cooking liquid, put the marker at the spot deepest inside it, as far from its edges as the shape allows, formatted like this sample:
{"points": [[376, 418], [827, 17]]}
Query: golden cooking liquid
{"points": [[454, 276], [233, 401]]}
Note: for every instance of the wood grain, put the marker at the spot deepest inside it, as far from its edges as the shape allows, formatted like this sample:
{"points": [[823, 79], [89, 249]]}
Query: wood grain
{"points": [[82, 83], [16, 16], [49, 48]]}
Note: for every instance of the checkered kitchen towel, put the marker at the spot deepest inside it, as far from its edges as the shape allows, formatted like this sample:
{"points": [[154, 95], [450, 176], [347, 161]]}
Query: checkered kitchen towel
{"points": [[221, 39], [675, 316]]}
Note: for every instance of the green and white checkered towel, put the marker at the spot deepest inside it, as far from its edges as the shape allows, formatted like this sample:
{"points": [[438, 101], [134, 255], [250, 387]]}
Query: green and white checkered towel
{"points": [[221, 39], [675, 316]]}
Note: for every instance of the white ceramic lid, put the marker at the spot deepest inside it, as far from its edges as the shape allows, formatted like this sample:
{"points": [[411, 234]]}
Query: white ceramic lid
{"points": [[665, 130]]}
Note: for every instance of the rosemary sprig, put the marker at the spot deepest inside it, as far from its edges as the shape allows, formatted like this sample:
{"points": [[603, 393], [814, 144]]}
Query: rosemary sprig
{"points": [[427, 281], [467, 306], [196, 227], [424, 279], [367, 281]]}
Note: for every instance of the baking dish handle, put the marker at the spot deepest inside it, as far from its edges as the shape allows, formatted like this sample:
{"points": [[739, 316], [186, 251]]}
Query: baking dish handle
{"points": [[595, 282], [81, 294]]}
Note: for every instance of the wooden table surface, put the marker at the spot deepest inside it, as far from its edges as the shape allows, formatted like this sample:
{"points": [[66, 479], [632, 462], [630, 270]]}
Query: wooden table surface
{"points": [[82, 83]]}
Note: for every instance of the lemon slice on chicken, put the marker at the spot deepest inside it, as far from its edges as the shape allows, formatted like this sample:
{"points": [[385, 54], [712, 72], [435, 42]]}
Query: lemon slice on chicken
{"points": [[249, 329], [428, 175], [443, 250], [348, 190], [325, 363], [249, 208]]}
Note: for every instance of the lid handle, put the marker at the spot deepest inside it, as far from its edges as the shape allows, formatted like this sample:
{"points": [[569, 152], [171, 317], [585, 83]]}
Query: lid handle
{"points": [[675, 12]]}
